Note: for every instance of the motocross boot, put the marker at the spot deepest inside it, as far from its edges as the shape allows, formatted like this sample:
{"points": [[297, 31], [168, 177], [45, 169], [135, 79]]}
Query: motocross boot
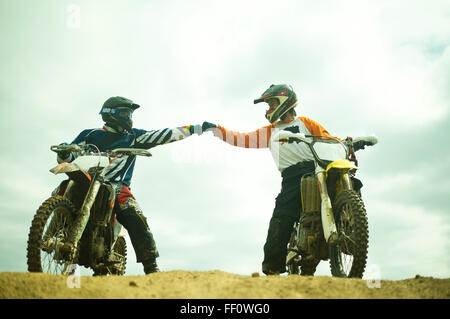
{"points": [[134, 221], [150, 266], [275, 248]]}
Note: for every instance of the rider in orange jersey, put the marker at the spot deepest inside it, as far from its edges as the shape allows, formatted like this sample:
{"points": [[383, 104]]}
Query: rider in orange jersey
{"points": [[292, 159]]}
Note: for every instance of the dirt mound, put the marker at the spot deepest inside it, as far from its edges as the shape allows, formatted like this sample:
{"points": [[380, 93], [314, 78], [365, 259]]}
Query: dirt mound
{"points": [[214, 285]]}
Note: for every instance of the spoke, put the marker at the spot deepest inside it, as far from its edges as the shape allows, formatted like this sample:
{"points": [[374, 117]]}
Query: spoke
{"points": [[344, 227], [54, 232], [347, 262]]}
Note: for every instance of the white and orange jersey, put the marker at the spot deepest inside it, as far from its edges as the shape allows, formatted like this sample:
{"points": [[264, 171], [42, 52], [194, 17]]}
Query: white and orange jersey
{"points": [[284, 154]]}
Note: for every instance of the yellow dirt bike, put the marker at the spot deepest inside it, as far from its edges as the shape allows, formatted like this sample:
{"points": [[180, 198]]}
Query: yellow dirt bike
{"points": [[333, 223]]}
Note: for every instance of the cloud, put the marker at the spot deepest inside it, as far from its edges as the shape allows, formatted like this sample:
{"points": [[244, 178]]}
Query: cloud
{"points": [[408, 239], [358, 67]]}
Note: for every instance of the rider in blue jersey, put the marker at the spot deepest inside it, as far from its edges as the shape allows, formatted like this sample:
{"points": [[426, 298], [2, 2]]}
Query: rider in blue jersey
{"points": [[118, 132]]}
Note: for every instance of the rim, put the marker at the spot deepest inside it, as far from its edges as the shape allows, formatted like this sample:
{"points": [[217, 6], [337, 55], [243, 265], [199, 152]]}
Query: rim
{"points": [[54, 234], [345, 229]]}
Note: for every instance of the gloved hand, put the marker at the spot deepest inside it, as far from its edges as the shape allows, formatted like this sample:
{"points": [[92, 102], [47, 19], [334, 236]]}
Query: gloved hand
{"points": [[200, 129], [206, 126], [197, 129], [359, 143], [63, 154]]}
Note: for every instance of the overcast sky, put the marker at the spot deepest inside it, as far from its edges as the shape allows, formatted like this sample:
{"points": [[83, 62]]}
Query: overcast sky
{"points": [[358, 67]]}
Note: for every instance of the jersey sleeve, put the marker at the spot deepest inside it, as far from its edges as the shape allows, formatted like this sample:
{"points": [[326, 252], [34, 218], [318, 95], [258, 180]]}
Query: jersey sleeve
{"points": [[81, 137], [69, 157], [256, 139], [315, 128], [148, 139]]}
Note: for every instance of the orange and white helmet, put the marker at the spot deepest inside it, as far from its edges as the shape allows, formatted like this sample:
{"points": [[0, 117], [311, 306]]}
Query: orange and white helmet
{"points": [[286, 97]]}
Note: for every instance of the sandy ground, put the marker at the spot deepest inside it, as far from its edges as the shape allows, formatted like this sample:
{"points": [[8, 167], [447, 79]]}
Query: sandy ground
{"points": [[215, 285]]}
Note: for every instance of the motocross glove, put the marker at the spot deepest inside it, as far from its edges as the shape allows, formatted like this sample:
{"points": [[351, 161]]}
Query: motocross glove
{"points": [[200, 129], [360, 143], [197, 129], [206, 126], [63, 154]]}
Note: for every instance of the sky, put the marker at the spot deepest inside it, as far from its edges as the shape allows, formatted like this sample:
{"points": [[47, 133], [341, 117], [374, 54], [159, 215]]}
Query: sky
{"points": [[359, 67]]}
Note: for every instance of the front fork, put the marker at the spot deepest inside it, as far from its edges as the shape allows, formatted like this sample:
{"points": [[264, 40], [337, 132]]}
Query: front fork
{"points": [[327, 216], [328, 224], [81, 220]]}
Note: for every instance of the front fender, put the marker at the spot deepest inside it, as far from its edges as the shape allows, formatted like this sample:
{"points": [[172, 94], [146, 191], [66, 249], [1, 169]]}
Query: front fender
{"points": [[68, 168], [342, 165]]}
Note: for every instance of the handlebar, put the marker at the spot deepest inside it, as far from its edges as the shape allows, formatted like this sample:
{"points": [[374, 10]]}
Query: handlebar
{"points": [[367, 140], [323, 156], [86, 150], [289, 137], [66, 148], [131, 151]]}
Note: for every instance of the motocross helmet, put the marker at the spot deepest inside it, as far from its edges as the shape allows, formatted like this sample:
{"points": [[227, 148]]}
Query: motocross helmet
{"points": [[286, 97], [117, 112]]}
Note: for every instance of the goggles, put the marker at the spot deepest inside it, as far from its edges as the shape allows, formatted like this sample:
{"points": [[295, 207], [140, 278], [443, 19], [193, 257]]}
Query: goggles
{"points": [[123, 113]]}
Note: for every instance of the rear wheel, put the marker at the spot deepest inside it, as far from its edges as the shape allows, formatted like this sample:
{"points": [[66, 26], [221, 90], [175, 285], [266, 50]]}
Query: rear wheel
{"points": [[48, 232], [293, 265], [120, 252], [117, 261], [299, 265], [348, 257]]}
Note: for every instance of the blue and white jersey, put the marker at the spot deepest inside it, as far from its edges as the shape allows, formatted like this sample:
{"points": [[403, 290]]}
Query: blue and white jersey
{"points": [[106, 139]]}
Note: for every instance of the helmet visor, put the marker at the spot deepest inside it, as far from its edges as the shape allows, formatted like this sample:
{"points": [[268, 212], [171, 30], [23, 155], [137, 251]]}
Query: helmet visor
{"points": [[124, 113]]}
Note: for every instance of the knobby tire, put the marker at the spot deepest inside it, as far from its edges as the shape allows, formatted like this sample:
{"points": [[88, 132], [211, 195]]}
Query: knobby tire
{"points": [[357, 246], [40, 219]]}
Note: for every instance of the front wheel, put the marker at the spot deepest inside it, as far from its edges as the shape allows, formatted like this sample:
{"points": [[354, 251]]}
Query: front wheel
{"points": [[348, 258], [48, 232]]}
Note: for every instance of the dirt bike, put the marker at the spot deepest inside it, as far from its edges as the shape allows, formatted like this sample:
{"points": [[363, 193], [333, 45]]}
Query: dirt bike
{"points": [[333, 223], [77, 224]]}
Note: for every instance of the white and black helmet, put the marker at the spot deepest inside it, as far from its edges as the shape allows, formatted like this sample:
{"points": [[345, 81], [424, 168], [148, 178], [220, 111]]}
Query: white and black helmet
{"points": [[117, 112]]}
